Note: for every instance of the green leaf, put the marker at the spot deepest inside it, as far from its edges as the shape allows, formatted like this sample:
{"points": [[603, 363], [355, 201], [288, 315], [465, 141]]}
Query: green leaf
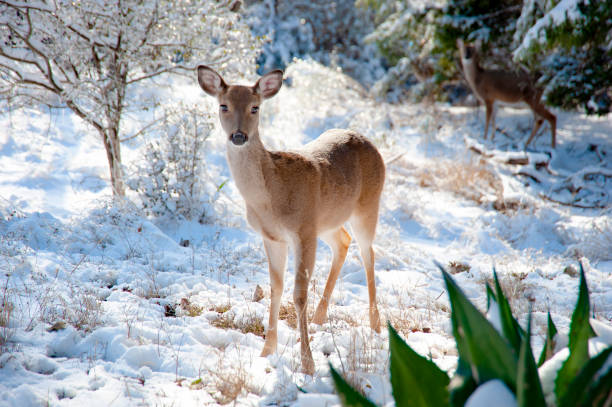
{"points": [[528, 387], [462, 385], [549, 345], [600, 395], [490, 296], [416, 380], [509, 325], [478, 342], [221, 186], [580, 332], [348, 395], [576, 394]]}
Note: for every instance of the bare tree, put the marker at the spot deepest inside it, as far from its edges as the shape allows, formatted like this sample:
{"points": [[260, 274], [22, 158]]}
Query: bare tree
{"points": [[87, 54]]}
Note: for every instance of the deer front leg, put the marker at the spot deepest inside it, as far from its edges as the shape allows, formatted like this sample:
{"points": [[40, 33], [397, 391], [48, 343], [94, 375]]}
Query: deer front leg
{"points": [[277, 261], [489, 114], [536, 126], [305, 252]]}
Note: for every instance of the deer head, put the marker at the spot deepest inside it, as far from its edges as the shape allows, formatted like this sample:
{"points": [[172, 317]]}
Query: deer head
{"points": [[238, 104]]}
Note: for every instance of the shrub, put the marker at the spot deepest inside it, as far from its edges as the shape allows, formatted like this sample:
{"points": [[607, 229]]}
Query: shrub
{"points": [[486, 354], [169, 178]]}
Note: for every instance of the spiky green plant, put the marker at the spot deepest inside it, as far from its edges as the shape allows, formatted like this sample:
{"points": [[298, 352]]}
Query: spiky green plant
{"points": [[486, 354]]}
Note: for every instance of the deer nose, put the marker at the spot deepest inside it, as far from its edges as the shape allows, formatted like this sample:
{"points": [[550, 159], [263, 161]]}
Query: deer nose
{"points": [[238, 138]]}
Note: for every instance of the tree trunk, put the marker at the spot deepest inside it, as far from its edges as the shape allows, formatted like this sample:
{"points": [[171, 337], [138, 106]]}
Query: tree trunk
{"points": [[113, 154]]}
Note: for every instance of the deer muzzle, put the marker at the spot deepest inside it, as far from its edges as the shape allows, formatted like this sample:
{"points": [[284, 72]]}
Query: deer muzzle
{"points": [[238, 138]]}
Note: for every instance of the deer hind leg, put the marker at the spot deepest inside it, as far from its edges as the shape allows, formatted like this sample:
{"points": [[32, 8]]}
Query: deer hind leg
{"points": [[305, 252], [489, 113], [364, 228], [339, 241], [277, 262]]}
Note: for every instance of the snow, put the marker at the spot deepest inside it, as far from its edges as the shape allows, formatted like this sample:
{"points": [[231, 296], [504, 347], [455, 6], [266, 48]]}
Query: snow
{"points": [[492, 390], [118, 279]]}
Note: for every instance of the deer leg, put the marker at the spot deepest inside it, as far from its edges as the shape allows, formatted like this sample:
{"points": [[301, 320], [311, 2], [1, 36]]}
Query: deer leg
{"points": [[540, 110], [364, 228], [305, 252], [339, 241], [536, 126], [277, 262], [489, 113]]}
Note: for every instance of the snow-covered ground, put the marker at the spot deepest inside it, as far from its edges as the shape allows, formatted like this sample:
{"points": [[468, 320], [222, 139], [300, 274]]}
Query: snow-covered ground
{"points": [[103, 306]]}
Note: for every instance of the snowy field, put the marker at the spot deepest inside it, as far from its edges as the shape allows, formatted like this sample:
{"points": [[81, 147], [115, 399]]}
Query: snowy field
{"points": [[104, 306]]}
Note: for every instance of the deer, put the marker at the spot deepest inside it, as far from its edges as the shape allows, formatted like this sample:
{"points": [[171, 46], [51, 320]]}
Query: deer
{"points": [[293, 198], [506, 86]]}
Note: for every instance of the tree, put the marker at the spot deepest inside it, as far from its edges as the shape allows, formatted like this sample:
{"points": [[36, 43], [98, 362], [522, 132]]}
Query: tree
{"points": [[88, 55], [569, 43], [565, 44]]}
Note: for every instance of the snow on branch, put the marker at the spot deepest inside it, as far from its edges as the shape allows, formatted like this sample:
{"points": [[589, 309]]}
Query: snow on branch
{"points": [[565, 10]]}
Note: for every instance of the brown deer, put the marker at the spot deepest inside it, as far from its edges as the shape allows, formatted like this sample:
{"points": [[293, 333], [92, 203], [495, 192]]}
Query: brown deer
{"points": [[292, 198], [510, 87]]}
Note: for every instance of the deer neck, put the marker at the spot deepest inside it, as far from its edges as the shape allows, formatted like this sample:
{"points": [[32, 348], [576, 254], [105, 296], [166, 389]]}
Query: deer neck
{"points": [[472, 72], [250, 167]]}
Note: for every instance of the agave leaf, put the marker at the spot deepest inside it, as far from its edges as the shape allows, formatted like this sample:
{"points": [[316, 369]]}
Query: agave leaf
{"points": [[600, 395], [583, 386], [462, 385], [549, 345], [528, 387], [478, 342], [580, 332], [509, 325], [490, 296], [347, 394], [416, 381]]}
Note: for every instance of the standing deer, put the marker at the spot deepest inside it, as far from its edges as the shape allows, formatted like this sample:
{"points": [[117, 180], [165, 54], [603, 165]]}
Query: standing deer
{"points": [[293, 198], [510, 87]]}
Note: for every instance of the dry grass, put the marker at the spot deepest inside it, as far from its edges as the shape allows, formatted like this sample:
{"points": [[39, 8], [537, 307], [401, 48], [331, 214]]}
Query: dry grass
{"points": [[222, 308], [82, 309], [250, 323], [410, 312], [287, 313], [456, 267], [473, 181], [6, 333], [6, 312], [366, 354], [191, 309], [515, 289], [227, 381], [345, 318]]}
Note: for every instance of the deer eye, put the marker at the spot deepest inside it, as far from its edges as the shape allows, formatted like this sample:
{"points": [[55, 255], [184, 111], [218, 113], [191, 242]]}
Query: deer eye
{"points": [[255, 109], [223, 108]]}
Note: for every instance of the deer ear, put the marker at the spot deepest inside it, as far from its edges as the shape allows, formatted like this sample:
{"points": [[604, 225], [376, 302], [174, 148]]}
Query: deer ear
{"points": [[210, 81], [269, 84]]}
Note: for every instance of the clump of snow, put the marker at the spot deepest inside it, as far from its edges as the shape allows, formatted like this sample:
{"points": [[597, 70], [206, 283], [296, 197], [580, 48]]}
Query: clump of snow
{"points": [[493, 391]]}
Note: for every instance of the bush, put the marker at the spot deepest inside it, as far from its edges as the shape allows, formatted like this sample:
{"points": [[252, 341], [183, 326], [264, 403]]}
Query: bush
{"points": [[502, 357], [169, 178]]}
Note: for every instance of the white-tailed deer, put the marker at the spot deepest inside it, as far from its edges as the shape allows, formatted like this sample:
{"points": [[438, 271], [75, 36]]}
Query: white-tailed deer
{"points": [[510, 87], [293, 198]]}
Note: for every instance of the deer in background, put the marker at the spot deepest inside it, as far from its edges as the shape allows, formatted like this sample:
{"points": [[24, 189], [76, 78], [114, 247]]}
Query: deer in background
{"points": [[510, 87], [292, 198]]}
